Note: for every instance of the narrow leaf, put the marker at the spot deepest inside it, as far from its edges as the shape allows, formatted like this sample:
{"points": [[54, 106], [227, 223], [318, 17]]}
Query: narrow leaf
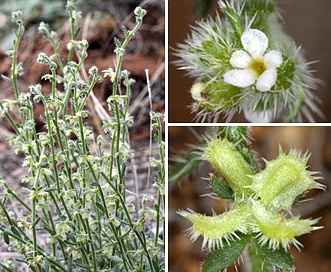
{"points": [[15, 231], [223, 257], [5, 78], [72, 237], [58, 47], [236, 135], [46, 264], [258, 262], [278, 257], [49, 190], [116, 259], [181, 169], [100, 206], [69, 268], [82, 265], [220, 188], [77, 32], [102, 263], [234, 20], [6, 237], [125, 31], [117, 43]]}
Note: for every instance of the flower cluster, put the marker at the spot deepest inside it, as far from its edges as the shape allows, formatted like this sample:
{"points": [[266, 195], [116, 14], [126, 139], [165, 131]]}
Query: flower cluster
{"points": [[78, 212], [261, 201], [245, 63]]}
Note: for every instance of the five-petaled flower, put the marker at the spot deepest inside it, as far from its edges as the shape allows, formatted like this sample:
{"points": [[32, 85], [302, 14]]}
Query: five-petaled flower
{"points": [[253, 65]]}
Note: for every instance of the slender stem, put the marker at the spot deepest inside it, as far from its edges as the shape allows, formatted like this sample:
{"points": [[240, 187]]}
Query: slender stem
{"points": [[14, 64], [33, 207], [72, 30], [10, 119], [120, 55], [94, 81]]}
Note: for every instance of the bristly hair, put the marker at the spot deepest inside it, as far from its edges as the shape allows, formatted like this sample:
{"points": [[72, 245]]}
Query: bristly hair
{"points": [[206, 53]]}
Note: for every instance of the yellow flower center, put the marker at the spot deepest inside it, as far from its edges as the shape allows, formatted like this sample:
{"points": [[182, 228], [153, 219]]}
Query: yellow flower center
{"points": [[258, 66]]}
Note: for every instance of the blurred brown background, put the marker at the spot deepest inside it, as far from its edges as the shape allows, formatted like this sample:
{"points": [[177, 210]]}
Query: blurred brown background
{"points": [[308, 22], [315, 256]]}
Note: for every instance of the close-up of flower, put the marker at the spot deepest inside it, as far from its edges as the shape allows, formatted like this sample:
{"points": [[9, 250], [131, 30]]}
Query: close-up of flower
{"points": [[254, 65], [244, 62]]}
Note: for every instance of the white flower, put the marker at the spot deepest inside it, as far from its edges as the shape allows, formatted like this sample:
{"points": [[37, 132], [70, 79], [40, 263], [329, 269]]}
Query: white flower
{"points": [[252, 64]]}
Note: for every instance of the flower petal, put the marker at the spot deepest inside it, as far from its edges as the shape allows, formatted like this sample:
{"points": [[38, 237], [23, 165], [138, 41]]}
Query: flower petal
{"points": [[240, 78], [266, 80], [273, 59], [240, 59], [254, 42]]}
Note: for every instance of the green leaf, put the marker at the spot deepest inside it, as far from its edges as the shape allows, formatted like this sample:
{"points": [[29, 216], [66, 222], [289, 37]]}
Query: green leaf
{"points": [[82, 265], [102, 263], [181, 169], [69, 268], [49, 190], [77, 32], [72, 237], [100, 206], [125, 31], [223, 257], [116, 259], [234, 20], [6, 237], [220, 188], [58, 47], [15, 231], [236, 135], [278, 257], [258, 262], [46, 265], [117, 43]]}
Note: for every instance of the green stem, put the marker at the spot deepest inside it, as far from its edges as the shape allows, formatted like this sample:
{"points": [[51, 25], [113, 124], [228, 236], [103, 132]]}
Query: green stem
{"points": [[72, 31], [33, 206], [8, 117], [14, 65], [143, 243], [94, 81], [120, 55]]}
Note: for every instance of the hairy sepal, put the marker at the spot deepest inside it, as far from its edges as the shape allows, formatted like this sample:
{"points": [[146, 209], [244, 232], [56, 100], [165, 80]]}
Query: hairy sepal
{"points": [[275, 230], [283, 180], [221, 228], [232, 166]]}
